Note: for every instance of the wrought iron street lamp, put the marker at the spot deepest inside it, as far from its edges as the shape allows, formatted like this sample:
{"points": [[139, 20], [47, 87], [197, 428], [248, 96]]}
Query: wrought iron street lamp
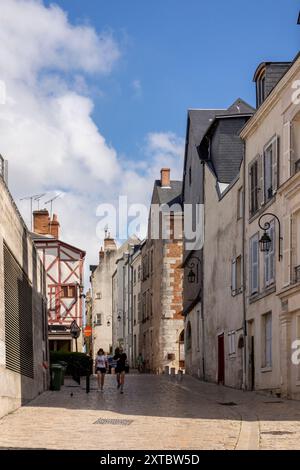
{"points": [[192, 277], [266, 242]]}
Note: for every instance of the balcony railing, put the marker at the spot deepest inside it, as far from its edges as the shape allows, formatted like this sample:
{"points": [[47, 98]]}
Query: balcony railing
{"points": [[297, 273]]}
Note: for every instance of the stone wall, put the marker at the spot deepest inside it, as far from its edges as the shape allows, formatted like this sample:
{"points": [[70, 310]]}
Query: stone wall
{"points": [[15, 388]]}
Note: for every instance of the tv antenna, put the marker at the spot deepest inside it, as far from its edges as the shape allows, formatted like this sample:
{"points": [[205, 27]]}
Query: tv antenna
{"points": [[38, 198], [34, 197], [51, 203]]}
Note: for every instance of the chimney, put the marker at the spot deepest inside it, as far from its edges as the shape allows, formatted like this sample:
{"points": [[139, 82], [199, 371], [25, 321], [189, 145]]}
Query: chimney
{"points": [[165, 177], [41, 222], [54, 227], [101, 254]]}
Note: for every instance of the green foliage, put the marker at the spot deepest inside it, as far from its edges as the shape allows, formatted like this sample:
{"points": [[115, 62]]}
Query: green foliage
{"points": [[77, 363]]}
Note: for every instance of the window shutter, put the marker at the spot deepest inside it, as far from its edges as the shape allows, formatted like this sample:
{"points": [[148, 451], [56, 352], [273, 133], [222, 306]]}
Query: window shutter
{"points": [[286, 160], [260, 180], [233, 277], [287, 250], [272, 253], [254, 264], [250, 190], [275, 164], [267, 268]]}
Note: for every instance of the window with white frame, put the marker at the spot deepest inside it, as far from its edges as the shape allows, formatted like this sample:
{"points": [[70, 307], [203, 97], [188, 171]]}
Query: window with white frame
{"points": [[236, 276], [267, 340], [98, 295], [270, 169], [232, 343], [98, 319], [254, 264], [270, 257]]}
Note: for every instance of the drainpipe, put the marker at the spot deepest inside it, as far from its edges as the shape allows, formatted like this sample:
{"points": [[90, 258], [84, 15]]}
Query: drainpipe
{"points": [[244, 274], [131, 284], [123, 305], [130, 323], [202, 278]]}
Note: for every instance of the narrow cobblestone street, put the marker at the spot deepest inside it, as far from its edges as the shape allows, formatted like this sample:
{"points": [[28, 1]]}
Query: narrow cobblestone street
{"points": [[155, 412]]}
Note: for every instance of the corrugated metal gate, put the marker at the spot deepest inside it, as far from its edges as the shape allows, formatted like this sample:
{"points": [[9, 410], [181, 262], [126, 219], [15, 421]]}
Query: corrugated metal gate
{"points": [[18, 317]]}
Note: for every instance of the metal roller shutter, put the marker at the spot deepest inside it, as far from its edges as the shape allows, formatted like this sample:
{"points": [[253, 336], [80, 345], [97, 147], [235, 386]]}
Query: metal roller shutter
{"points": [[18, 317]]}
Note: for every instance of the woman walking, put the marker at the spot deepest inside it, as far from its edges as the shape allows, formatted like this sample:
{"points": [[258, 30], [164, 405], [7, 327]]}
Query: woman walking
{"points": [[115, 363], [120, 370], [101, 366]]}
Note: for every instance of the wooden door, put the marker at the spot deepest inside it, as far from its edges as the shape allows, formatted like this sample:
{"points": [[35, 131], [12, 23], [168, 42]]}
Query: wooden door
{"points": [[221, 360]]}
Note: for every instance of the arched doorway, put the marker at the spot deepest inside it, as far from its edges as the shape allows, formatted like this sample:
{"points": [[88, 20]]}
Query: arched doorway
{"points": [[181, 351]]}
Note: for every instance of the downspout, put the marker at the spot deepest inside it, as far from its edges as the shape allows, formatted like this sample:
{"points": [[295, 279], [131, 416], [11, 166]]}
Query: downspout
{"points": [[130, 324], [202, 277], [244, 386], [123, 305], [132, 343]]}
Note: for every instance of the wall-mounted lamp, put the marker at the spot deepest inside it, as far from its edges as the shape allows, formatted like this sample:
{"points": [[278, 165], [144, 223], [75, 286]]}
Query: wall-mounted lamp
{"points": [[265, 241], [192, 277]]}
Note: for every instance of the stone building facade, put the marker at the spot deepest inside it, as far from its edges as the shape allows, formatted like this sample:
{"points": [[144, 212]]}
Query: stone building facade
{"points": [[272, 142], [162, 324], [124, 294], [23, 323], [101, 294], [213, 286], [111, 301]]}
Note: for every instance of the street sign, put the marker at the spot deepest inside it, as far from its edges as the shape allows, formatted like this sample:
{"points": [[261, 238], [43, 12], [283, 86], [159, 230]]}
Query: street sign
{"points": [[88, 331], [75, 330]]}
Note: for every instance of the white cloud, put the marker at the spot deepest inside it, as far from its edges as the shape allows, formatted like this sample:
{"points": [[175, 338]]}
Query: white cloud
{"points": [[47, 132], [137, 88]]}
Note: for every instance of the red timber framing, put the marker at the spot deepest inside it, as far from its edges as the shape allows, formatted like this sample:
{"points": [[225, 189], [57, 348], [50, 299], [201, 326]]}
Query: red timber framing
{"points": [[64, 276]]}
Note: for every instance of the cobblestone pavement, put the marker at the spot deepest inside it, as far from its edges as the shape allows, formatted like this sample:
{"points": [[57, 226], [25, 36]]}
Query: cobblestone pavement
{"points": [[161, 413]]}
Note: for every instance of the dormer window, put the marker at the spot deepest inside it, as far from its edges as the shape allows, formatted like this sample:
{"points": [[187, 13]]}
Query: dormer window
{"points": [[260, 89]]}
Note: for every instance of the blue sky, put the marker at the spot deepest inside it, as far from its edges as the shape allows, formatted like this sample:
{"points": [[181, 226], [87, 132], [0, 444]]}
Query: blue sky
{"points": [[97, 92], [180, 54]]}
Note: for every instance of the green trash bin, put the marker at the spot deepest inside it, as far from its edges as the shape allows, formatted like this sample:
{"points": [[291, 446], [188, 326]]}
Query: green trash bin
{"points": [[56, 376], [64, 366]]}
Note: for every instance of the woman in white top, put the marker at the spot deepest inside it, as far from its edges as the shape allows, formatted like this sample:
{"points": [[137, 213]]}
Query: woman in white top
{"points": [[101, 366]]}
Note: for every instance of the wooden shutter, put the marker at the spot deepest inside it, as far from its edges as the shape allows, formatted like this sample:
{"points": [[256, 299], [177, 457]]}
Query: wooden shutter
{"points": [[272, 252], [275, 164], [254, 264], [286, 154], [233, 277], [287, 250], [260, 180]]}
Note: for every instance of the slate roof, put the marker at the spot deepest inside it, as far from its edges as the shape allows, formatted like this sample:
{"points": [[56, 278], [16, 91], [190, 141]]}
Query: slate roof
{"points": [[170, 195], [227, 148], [200, 121]]}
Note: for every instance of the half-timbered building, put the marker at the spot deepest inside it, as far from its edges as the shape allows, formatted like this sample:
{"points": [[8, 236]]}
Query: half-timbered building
{"points": [[64, 279]]}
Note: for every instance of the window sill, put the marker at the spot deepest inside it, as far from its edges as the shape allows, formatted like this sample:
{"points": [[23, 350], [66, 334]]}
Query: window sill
{"points": [[237, 292], [262, 209], [260, 295], [266, 369]]}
